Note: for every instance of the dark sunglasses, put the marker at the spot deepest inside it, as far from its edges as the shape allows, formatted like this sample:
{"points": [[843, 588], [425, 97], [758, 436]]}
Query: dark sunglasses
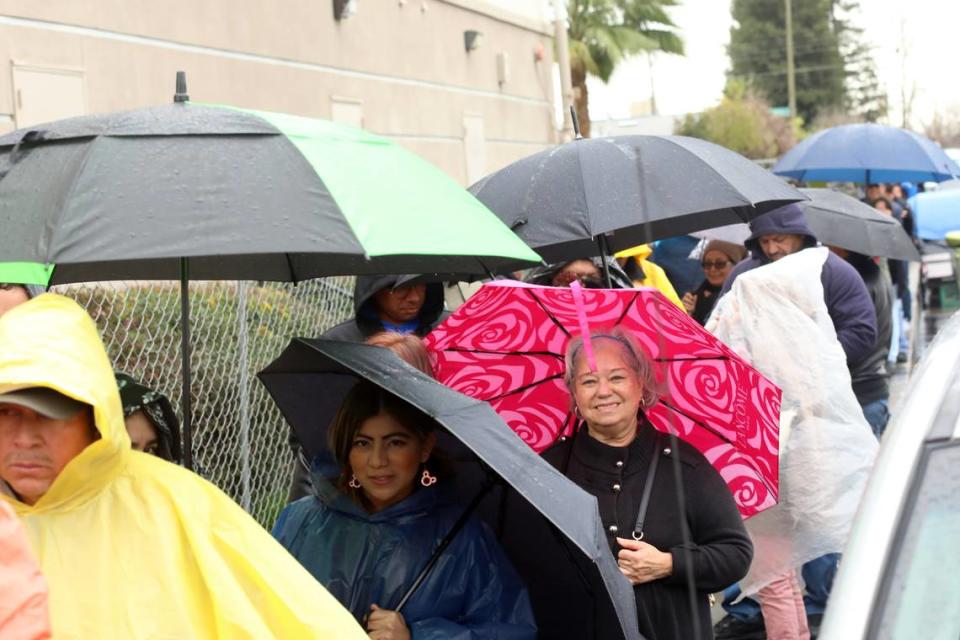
{"points": [[718, 264]]}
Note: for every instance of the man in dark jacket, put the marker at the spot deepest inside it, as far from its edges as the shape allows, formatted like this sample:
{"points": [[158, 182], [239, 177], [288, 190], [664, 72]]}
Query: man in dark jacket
{"points": [[385, 303], [380, 303], [774, 235], [870, 375], [784, 231]]}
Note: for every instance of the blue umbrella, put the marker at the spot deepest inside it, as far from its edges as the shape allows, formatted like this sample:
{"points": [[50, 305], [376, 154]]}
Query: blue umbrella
{"points": [[937, 212], [867, 154]]}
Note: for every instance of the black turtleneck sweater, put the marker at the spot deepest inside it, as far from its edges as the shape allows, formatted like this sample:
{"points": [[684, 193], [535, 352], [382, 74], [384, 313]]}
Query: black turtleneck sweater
{"points": [[707, 295]]}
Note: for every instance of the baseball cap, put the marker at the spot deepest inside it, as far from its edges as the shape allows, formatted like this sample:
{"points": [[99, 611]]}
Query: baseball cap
{"points": [[44, 401]]}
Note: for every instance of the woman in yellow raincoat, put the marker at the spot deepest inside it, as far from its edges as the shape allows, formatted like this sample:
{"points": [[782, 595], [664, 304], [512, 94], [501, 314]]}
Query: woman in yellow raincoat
{"points": [[645, 273], [133, 546]]}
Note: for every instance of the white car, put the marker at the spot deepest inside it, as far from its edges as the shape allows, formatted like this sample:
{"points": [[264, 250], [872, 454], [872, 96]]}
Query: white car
{"points": [[900, 573]]}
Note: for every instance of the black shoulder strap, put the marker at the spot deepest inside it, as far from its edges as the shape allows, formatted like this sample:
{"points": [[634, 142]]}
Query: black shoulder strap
{"points": [[647, 488]]}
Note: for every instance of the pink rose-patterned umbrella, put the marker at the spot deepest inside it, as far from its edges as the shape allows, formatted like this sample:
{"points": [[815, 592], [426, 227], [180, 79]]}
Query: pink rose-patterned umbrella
{"points": [[506, 345]]}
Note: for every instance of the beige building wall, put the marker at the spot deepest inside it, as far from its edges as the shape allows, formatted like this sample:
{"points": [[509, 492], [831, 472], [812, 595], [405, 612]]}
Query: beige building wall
{"points": [[397, 67]]}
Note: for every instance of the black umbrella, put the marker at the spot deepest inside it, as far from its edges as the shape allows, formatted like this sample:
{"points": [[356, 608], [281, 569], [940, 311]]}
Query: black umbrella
{"points": [[623, 191], [186, 191], [843, 221], [311, 377]]}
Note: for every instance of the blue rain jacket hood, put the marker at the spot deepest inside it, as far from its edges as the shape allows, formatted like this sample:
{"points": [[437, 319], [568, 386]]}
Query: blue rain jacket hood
{"points": [[788, 219], [472, 593]]}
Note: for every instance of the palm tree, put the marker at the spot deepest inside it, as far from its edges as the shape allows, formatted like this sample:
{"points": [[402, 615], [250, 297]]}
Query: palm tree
{"points": [[604, 32]]}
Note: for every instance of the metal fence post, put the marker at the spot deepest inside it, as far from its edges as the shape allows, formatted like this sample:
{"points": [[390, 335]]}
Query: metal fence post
{"points": [[244, 382]]}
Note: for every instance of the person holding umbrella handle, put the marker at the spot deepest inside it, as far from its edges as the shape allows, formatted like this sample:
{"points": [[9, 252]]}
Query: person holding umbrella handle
{"points": [[382, 513]]}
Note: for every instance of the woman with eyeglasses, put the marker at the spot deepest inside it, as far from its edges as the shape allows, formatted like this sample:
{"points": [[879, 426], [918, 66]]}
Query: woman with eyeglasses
{"points": [[718, 260]]}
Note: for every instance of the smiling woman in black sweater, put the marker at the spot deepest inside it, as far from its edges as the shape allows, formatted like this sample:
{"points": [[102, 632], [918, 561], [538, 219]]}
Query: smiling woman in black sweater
{"points": [[614, 456]]}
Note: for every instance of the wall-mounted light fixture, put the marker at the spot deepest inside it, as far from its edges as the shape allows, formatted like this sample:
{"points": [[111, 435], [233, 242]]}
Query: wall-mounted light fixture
{"points": [[343, 9], [471, 39]]}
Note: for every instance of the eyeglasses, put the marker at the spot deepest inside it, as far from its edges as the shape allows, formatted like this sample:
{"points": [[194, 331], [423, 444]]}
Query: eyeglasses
{"points": [[717, 264]]}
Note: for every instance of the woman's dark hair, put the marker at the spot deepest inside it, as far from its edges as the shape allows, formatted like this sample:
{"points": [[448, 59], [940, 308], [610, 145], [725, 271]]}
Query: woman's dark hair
{"points": [[134, 397], [364, 401]]}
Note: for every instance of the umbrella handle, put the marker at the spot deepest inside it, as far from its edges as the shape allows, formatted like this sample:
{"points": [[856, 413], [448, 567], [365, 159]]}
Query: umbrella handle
{"points": [[447, 539], [584, 324]]}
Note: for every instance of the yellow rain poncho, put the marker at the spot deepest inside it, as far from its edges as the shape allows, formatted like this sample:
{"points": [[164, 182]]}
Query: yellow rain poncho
{"points": [[136, 547], [654, 275]]}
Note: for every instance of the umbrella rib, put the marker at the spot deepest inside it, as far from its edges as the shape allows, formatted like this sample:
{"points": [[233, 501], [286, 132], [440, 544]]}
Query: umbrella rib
{"points": [[698, 422], [504, 353], [546, 311], [626, 308], [525, 387], [722, 437], [691, 359]]}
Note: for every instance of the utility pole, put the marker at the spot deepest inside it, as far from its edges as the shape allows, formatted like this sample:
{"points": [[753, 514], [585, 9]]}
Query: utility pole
{"points": [[563, 59], [653, 95], [791, 79]]}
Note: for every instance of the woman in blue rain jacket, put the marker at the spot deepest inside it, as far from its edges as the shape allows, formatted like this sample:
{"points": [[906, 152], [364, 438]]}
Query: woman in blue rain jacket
{"points": [[367, 534]]}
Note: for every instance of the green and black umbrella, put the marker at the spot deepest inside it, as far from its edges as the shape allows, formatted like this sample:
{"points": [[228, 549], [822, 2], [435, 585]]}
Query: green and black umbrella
{"points": [[211, 192]]}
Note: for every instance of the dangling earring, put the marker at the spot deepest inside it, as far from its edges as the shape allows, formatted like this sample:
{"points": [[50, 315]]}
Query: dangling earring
{"points": [[428, 480], [354, 483]]}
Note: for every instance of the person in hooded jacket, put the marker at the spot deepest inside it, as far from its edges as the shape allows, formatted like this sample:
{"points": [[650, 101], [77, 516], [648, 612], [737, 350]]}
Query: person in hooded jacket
{"points": [[380, 303], [151, 421], [784, 231], [369, 531], [131, 546], [385, 303]]}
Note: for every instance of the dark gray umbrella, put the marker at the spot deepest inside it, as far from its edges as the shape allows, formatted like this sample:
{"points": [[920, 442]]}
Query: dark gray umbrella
{"points": [[311, 377], [187, 191], [627, 190], [843, 221]]}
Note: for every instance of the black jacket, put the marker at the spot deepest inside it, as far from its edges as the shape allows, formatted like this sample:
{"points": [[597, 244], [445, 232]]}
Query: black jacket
{"points": [[707, 296], [561, 585], [870, 375]]}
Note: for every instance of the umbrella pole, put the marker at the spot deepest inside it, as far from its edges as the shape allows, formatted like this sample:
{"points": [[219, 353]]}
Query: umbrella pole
{"points": [[185, 364], [604, 250], [457, 526]]}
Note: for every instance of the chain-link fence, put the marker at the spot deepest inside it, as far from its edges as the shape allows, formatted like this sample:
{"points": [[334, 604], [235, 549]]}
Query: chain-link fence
{"points": [[237, 328]]}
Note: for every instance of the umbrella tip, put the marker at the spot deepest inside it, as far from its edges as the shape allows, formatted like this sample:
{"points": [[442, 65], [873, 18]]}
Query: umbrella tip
{"points": [[181, 94]]}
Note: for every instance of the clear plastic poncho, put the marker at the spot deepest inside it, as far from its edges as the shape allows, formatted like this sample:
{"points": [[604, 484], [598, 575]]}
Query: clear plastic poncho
{"points": [[775, 317]]}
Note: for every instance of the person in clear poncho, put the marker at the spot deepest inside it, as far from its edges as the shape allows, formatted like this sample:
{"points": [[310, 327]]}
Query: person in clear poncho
{"points": [[775, 317]]}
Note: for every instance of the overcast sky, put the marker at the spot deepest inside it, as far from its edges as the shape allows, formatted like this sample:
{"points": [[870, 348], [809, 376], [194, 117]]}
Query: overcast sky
{"points": [[931, 29]]}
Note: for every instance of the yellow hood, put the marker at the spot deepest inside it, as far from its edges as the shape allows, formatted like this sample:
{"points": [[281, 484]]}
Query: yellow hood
{"points": [[52, 342], [133, 546], [640, 252]]}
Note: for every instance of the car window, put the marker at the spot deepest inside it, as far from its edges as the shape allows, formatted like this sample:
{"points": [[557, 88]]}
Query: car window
{"points": [[923, 589]]}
